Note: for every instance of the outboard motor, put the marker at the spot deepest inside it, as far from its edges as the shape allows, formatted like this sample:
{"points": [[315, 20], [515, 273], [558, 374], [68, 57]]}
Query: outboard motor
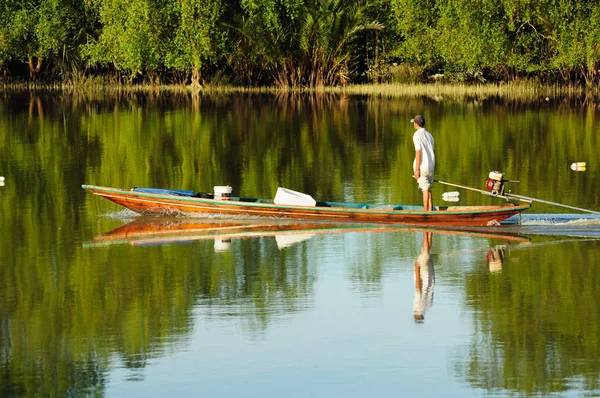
{"points": [[495, 183]]}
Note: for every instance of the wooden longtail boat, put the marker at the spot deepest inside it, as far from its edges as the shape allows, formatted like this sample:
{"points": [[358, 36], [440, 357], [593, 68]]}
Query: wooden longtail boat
{"points": [[180, 202], [145, 231]]}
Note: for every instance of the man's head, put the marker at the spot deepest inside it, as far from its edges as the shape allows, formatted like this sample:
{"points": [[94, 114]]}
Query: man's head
{"points": [[418, 120]]}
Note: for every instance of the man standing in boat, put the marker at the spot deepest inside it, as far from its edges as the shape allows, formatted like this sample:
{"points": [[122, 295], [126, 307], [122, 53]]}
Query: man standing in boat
{"points": [[424, 163]]}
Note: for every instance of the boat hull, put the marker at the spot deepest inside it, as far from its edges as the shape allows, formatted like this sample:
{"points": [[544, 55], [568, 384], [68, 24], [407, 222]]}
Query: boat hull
{"points": [[168, 204]]}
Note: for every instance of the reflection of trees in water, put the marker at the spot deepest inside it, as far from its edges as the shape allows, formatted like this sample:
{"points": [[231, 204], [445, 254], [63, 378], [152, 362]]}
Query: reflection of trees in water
{"points": [[60, 330], [366, 259], [537, 324], [315, 143], [76, 302], [41, 365], [259, 282]]}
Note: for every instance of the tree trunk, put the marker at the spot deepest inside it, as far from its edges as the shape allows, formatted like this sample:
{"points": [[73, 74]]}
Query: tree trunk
{"points": [[377, 57], [196, 78], [31, 67]]}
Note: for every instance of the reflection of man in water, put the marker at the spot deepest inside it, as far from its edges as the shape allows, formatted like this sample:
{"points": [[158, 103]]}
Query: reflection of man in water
{"points": [[424, 279]]}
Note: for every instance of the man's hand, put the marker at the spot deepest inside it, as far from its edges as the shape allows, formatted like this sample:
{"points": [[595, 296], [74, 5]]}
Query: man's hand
{"points": [[417, 164]]}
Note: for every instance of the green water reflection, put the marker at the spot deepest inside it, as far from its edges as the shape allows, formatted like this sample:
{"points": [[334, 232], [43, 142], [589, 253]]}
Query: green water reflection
{"points": [[537, 322], [70, 311]]}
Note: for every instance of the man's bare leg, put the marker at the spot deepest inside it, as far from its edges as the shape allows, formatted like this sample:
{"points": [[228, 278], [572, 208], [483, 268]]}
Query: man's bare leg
{"points": [[427, 202], [430, 201]]}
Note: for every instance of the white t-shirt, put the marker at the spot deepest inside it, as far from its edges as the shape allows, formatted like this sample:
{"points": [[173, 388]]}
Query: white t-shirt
{"points": [[423, 141]]}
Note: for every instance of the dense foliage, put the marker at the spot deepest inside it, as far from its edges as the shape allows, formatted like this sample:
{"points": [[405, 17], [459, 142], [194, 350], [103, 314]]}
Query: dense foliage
{"points": [[299, 42]]}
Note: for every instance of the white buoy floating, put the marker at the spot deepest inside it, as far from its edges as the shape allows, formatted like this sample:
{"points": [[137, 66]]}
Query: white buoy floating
{"points": [[452, 196], [1, 178], [578, 166]]}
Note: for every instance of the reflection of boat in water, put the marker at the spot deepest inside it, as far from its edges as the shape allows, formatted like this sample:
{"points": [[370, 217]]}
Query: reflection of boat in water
{"points": [[157, 231]]}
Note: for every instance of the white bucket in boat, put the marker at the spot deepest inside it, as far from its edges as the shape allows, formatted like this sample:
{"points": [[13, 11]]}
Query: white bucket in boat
{"points": [[222, 192]]}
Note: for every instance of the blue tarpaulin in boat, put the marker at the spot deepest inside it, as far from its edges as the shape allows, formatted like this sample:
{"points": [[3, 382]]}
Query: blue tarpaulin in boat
{"points": [[178, 192]]}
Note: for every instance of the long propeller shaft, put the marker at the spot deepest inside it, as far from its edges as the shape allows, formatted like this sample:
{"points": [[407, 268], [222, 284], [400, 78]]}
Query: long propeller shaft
{"points": [[508, 196]]}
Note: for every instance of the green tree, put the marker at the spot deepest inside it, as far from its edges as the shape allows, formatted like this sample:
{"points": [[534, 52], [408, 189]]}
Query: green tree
{"points": [[417, 22], [305, 44], [328, 28], [133, 36], [41, 32], [575, 41], [195, 30], [460, 30]]}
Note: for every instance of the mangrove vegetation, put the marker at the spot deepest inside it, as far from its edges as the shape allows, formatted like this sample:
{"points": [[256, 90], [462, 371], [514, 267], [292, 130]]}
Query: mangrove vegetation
{"points": [[298, 43]]}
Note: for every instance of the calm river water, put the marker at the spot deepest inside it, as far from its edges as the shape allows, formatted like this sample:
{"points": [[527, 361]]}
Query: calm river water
{"points": [[96, 300]]}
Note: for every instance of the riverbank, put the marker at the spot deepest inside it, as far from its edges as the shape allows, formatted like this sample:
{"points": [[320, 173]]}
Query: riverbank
{"points": [[525, 90]]}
